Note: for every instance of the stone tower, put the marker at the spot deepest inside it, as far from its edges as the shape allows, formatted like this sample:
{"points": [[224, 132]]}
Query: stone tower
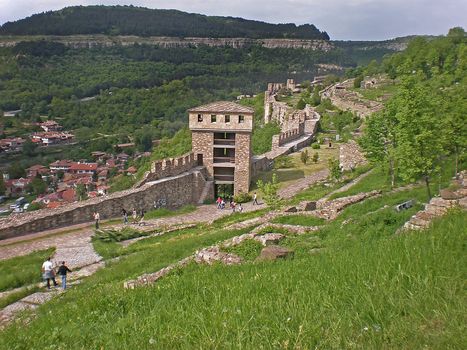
{"points": [[221, 141]]}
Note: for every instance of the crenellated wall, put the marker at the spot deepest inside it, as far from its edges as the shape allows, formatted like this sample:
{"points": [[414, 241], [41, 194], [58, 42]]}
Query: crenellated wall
{"points": [[168, 167]]}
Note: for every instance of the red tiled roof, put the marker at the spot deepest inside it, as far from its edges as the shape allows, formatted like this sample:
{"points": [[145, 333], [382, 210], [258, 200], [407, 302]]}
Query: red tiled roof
{"points": [[84, 166]]}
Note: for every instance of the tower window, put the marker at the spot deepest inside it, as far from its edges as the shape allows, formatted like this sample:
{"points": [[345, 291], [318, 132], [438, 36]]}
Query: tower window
{"points": [[227, 118], [213, 118], [200, 118], [241, 118]]}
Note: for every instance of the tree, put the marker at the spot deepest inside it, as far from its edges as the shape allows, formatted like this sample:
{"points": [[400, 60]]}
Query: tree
{"points": [[301, 104], [81, 192], [37, 186], [269, 190], [419, 137], [2, 185], [334, 169], [29, 148], [304, 156], [379, 140], [15, 171]]}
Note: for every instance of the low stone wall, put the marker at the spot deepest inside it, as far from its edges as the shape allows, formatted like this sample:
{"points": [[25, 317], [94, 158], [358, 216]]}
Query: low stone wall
{"points": [[173, 192], [168, 167]]}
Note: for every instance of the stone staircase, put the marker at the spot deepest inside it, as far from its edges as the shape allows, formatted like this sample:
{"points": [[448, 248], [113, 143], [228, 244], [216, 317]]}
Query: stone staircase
{"points": [[208, 186]]}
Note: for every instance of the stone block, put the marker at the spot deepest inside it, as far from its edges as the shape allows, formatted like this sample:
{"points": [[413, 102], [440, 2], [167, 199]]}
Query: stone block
{"points": [[275, 252], [450, 195]]}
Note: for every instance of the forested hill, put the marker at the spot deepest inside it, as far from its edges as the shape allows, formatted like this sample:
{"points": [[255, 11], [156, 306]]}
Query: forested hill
{"points": [[130, 20]]}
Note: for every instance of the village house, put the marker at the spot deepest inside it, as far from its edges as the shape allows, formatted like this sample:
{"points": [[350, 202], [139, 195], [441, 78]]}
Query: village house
{"points": [[16, 187], [14, 144], [60, 165], [50, 125], [34, 170], [48, 138], [83, 168]]}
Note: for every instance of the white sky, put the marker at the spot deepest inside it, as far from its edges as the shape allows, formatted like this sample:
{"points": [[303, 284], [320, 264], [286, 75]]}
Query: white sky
{"points": [[341, 19]]}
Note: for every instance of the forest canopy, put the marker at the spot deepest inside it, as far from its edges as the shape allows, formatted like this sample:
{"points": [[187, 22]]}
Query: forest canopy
{"points": [[130, 20]]}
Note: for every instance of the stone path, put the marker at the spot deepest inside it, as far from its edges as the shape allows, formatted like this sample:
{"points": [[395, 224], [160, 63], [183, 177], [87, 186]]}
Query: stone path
{"points": [[302, 184], [346, 186]]}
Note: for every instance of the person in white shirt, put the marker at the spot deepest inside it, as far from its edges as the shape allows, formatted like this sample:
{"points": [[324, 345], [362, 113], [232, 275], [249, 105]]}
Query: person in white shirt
{"points": [[48, 272]]}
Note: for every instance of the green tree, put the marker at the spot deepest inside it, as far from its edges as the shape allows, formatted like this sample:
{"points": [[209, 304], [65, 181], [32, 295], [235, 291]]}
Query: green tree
{"points": [[16, 170], [81, 192], [419, 137], [29, 148], [379, 140], [2, 185], [269, 190], [301, 104], [37, 186], [335, 172]]}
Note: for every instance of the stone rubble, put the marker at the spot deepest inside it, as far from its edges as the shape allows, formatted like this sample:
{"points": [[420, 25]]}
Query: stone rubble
{"points": [[351, 156]]}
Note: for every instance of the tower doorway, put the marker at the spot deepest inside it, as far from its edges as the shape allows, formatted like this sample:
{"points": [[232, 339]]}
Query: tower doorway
{"points": [[224, 191]]}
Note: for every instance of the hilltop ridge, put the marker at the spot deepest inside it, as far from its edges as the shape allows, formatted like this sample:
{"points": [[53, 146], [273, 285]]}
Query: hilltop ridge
{"points": [[130, 20]]}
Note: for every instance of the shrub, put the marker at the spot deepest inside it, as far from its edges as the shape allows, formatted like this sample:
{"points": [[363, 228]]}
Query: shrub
{"points": [[315, 157], [315, 146], [35, 206], [114, 235], [242, 198], [304, 156]]}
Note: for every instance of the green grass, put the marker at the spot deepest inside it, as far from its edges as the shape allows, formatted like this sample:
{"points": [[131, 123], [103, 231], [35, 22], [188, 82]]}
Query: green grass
{"points": [[303, 220], [249, 250], [164, 212], [404, 292], [23, 270]]}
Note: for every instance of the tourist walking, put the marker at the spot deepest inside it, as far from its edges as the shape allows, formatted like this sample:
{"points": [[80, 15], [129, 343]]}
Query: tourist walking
{"points": [[141, 220], [255, 199], [134, 216], [97, 218], [219, 201], [62, 271], [125, 216], [48, 272], [240, 208]]}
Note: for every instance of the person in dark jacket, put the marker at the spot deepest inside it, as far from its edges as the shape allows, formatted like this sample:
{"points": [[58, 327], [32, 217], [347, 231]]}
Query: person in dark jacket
{"points": [[62, 271]]}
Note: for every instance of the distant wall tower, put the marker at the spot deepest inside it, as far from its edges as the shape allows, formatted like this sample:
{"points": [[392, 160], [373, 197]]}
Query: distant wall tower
{"points": [[221, 141]]}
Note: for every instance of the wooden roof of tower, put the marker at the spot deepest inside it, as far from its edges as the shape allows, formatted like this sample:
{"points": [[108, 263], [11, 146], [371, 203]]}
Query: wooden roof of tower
{"points": [[222, 107]]}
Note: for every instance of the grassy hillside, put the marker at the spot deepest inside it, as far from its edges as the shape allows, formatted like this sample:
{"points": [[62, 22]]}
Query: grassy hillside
{"points": [[354, 284], [130, 20]]}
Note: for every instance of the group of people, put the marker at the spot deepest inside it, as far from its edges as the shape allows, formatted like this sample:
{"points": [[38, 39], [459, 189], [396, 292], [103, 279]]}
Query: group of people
{"points": [[49, 271], [232, 205], [134, 215]]}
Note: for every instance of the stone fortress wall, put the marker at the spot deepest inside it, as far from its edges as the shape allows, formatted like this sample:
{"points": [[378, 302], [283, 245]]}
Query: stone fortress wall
{"points": [[168, 167], [171, 192]]}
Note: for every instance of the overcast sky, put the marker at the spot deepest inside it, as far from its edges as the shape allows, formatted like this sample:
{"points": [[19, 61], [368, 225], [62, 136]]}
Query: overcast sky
{"points": [[341, 19]]}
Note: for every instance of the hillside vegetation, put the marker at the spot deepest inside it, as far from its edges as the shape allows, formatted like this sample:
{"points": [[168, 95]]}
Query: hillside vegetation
{"points": [[130, 20]]}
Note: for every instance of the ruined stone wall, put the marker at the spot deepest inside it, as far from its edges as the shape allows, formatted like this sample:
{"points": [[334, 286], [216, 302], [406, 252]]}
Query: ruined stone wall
{"points": [[242, 162], [170, 192]]}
